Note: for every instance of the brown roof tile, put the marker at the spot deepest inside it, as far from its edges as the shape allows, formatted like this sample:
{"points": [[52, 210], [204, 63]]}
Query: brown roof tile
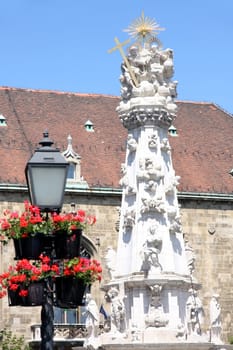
{"points": [[202, 153]]}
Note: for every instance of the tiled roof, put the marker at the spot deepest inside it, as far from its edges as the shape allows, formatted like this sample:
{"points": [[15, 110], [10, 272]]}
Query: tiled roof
{"points": [[202, 152]]}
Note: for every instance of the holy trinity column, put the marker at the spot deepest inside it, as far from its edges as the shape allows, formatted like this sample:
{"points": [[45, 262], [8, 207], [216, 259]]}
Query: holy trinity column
{"points": [[151, 277]]}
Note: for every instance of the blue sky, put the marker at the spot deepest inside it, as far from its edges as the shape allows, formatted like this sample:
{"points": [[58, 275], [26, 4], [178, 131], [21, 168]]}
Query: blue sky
{"points": [[62, 44]]}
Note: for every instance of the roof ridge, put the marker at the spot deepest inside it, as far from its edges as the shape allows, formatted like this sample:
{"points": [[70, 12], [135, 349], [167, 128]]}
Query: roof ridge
{"points": [[57, 92]]}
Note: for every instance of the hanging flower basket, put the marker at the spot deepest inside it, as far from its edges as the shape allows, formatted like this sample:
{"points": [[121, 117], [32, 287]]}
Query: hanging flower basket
{"points": [[31, 222], [67, 245], [29, 247], [32, 295], [69, 292], [14, 299]]}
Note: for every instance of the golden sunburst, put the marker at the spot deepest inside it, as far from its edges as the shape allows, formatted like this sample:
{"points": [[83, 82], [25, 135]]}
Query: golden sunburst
{"points": [[143, 28]]}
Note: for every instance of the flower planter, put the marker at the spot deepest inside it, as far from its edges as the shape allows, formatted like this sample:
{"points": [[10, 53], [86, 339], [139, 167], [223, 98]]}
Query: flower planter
{"points": [[69, 292], [35, 295], [29, 247], [14, 299], [67, 246]]}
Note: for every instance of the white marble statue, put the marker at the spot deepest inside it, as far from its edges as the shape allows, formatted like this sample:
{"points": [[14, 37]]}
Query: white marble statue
{"points": [[151, 249], [92, 324], [151, 270], [155, 317], [117, 311], [194, 314], [215, 320], [129, 219], [131, 144], [190, 256], [110, 260]]}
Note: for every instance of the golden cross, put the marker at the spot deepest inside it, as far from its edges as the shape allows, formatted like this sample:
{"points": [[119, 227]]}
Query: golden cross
{"points": [[119, 47]]}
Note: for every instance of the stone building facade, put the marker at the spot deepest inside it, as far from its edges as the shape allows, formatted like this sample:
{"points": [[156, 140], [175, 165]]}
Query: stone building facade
{"points": [[202, 156]]}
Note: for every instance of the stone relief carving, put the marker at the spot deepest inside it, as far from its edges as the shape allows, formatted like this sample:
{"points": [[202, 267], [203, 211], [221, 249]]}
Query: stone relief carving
{"points": [[131, 144], [129, 218], [165, 146], [92, 324], [117, 311], [135, 333], [153, 169], [153, 141], [171, 184], [215, 320], [190, 256], [110, 261], [194, 314], [149, 169], [181, 332], [153, 205], [124, 181], [153, 69], [175, 220], [151, 186], [155, 316], [151, 249]]}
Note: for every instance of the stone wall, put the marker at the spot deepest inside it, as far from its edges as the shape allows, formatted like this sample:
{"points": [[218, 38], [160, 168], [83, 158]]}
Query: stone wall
{"points": [[102, 235], [207, 225]]}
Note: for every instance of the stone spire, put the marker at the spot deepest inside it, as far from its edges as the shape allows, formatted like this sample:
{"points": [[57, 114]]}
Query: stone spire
{"points": [[151, 274]]}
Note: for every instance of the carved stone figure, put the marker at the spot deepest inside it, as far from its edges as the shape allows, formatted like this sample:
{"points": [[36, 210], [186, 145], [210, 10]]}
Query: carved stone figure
{"points": [[215, 319], [175, 220], [171, 184], [153, 69], [194, 313], [151, 249], [151, 186], [153, 169], [110, 259], [117, 311], [190, 256], [131, 143], [92, 323], [129, 218], [124, 181], [135, 333], [153, 205], [181, 332], [155, 316], [165, 146], [153, 141]]}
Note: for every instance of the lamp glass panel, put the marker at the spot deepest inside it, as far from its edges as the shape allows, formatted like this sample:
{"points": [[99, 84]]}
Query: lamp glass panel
{"points": [[47, 185]]}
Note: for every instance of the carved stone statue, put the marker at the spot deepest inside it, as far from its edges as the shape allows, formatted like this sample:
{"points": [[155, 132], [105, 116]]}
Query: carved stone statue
{"points": [[124, 181], [152, 69], [117, 311], [153, 205], [175, 220], [131, 143], [151, 249], [194, 314], [165, 146], [92, 323], [155, 316], [129, 219], [110, 259], [215, 319], [190, 256], [153, 169], [153, 141]]}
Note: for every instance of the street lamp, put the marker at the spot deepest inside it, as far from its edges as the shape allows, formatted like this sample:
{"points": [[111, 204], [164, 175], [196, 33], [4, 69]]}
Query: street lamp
{"points": [[46, 174]]}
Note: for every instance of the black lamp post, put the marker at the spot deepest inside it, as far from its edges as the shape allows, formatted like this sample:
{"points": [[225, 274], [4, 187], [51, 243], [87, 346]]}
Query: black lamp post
{"points": [[46, 174]]}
